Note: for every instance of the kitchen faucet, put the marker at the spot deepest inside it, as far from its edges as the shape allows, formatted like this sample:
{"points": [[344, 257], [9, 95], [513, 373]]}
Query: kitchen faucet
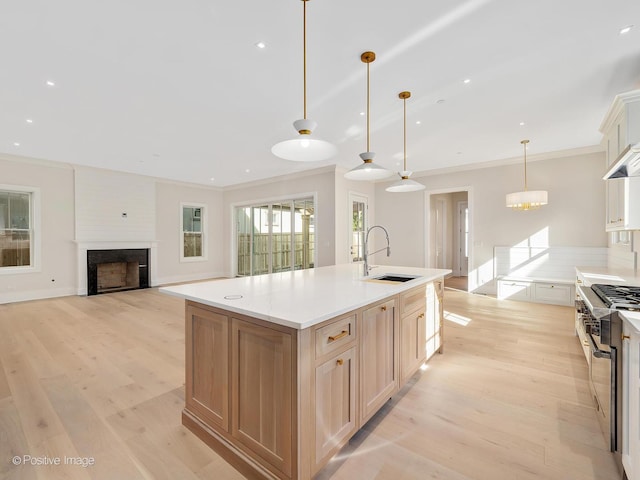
{"points": [[366, 246]]}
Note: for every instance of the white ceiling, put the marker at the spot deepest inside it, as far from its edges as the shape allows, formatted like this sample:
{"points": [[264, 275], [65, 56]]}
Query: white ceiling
{"points": [[178, 89]]}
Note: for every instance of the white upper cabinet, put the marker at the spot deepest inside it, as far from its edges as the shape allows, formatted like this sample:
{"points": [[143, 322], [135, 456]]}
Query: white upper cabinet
{"points": [[621, 128]]}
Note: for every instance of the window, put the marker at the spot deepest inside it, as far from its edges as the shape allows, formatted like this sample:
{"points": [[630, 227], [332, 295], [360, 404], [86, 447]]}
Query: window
{"points": [[275, 237], [17, 228], [192, 240]]}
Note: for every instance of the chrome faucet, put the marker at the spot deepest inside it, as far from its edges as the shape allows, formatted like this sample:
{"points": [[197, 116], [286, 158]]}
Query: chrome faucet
{"points": [[366, 246]]}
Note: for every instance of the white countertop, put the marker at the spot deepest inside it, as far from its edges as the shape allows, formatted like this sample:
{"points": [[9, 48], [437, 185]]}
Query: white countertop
{"points": [[632, 317], [302, 298], [608, 276]]}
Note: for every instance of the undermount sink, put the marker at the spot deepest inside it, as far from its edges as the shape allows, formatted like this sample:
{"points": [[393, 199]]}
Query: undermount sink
{"points": [[394, 277]]}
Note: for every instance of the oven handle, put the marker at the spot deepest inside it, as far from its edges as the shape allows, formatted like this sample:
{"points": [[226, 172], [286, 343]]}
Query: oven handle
{"points": [[595, 351]]}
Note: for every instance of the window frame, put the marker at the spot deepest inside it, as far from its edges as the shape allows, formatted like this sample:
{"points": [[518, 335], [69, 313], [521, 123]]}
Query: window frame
{"points": [[35, 229], [203, 232]]}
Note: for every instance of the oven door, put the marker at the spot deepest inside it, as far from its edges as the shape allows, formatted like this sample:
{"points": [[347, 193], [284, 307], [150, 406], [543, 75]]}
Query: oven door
{"points": [[602, 381]]}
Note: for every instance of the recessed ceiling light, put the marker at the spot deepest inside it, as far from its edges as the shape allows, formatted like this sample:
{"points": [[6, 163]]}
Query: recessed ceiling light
{"points": [[521, 124], [247, 170], [16, 144], [51, 83], [29, 120], [261, 45], [626, 29], [362, 114], [467, 80], [418, 122]]}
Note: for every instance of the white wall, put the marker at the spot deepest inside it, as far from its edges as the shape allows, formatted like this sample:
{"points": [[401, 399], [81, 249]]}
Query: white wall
{"points": [[575, 215], [56, 276], [114, 206], [168, 197]]}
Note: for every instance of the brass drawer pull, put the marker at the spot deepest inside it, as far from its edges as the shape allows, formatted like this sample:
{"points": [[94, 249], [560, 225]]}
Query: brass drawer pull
{"points": [[421, 315], [624, 337], [383, 308], [339, 361], [343, 333]]}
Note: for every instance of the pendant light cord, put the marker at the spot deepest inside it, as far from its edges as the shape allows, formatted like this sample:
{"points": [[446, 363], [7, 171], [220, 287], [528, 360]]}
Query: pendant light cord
{"points": [[524, 145], [304, 58], [368, 148], [404, 103]]}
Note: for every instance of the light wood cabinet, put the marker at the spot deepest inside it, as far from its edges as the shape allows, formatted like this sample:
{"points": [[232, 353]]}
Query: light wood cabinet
{"points": [[378, 357], [335, 405], [207, 342], [278, 402], [631, 400], [413, 332], [435, 317], [261, 392]]}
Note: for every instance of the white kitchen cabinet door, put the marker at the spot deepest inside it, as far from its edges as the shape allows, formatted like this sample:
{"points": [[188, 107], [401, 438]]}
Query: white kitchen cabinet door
{"points": [[631, 401]]}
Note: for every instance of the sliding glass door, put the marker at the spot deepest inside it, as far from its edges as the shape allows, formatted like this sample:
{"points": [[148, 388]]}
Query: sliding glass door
{"points": [[275, 237]]}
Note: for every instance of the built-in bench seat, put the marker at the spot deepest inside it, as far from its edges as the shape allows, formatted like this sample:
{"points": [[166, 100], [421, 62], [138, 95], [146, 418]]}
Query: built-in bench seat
{"points": [[542, 274]]}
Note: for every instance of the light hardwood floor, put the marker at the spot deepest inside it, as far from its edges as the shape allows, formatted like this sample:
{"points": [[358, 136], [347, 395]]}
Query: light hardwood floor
{"points": [[103, 377]]}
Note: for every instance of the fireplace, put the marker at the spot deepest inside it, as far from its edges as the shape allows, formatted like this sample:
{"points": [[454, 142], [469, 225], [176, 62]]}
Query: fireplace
{"points": [[117, 270]]}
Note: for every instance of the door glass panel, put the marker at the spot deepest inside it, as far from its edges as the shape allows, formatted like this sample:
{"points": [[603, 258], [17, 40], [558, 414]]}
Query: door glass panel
{"points": [[260, 246], [243, 240], [275, 237], [304, 238], [358, 228], [280, 237]]}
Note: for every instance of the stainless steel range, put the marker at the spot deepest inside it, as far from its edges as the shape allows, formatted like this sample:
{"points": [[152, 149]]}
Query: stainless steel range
{"points": [[600, 329]]}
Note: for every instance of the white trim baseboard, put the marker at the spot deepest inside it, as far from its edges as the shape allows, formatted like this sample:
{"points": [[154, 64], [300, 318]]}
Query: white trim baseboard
{"points": [[24, 296]]}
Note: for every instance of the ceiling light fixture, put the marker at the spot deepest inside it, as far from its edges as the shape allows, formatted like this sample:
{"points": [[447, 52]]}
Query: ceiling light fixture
{"points": [[51, 83], [261, 45], [368, 170], [527, 199], [304, 148], [626, 29], [405, 184], [467, 81]]}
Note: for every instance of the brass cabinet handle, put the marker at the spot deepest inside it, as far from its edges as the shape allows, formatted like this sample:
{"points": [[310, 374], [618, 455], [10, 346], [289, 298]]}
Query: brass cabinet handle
{"points": [[421, 315], [339, 361], [578, 281], [383, 308], [585, 343], [624, 337], [343, 333]]}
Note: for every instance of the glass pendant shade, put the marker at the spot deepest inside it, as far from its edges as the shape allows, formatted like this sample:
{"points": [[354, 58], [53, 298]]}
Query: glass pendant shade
{"points": [[526, 199], [304, 148]]}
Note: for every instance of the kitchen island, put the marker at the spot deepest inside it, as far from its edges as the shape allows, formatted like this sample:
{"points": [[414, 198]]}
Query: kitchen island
{"points": [[282, 369]]}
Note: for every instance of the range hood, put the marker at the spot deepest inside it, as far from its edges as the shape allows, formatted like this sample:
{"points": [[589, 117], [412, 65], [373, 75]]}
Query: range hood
{"points": [[626, 165]]}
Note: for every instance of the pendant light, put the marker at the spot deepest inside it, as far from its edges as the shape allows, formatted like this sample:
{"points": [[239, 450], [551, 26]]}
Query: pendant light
{"points": [[304, 147], [527, 199], [405, 184], [367, 170]]}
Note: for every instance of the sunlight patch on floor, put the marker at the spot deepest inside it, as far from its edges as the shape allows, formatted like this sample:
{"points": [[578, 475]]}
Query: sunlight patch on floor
{"points": [[455, 318]]}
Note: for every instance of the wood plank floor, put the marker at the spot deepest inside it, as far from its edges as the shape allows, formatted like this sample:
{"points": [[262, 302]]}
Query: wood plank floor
{"points": [[103, 377]]}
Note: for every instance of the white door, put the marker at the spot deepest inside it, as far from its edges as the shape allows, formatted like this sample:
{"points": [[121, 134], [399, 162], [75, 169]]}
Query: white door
{"points": [[358, 222], [463, 239]]}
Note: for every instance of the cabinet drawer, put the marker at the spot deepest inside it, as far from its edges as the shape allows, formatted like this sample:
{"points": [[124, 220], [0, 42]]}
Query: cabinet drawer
{"points": [[413, 300], [334, 335], [553, 293], [514, 290]]}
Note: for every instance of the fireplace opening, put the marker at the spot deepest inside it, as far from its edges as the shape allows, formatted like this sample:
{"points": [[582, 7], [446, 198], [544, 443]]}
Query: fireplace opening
{"points": [[117, 270]]}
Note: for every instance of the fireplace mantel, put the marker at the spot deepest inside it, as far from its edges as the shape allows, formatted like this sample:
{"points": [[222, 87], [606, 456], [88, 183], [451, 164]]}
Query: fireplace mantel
{"points": [[84, 245]]}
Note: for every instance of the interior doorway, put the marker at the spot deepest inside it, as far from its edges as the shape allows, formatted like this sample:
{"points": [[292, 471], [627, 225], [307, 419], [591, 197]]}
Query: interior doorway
{"points": [[449, 234]]}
